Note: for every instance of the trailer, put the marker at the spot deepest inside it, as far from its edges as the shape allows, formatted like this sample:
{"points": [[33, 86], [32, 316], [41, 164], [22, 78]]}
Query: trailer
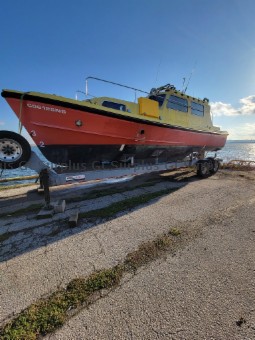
{"points": [[15, 151]]}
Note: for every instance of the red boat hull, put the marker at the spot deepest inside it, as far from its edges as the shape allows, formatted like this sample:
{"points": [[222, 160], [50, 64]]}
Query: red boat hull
{"points": [[67, 132]]}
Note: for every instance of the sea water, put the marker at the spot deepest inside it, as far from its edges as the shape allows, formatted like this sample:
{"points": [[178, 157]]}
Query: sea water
{"points": [[21, 172], [242, 150]]}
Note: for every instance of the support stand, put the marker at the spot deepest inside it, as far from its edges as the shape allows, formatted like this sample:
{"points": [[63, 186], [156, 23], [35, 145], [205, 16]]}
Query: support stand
{"points": [[44, 183]]}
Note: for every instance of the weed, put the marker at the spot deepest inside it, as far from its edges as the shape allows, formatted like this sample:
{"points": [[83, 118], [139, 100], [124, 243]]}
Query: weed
{"points": [[104, 279], [47, 315], [147, 252], [174, 232], [22, 211], [240, 322], [162, 242], [127, 204], [14, 186], [5, 236], [107, 192]]}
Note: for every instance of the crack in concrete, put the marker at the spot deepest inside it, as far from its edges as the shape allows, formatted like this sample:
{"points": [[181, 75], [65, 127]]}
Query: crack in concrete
{"points": [[101, 247]]}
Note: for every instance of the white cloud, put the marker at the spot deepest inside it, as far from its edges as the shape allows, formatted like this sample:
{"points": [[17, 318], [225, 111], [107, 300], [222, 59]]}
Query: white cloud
{"points": [[247, 107], [1, 123], [245, 131], [222, 109]]}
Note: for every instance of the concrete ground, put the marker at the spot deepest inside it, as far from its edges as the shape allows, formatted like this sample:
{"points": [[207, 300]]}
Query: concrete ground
{"points": [[204, 290]]}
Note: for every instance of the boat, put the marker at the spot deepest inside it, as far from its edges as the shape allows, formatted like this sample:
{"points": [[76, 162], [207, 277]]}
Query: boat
{"points": [[163, 125]]}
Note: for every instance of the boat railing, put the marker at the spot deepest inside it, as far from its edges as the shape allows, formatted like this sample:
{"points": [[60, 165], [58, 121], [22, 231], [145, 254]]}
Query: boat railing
{"points": [[87, 94], [110, 82]]}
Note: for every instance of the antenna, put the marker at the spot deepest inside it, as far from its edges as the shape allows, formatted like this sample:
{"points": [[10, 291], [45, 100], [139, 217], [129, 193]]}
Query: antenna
{"points": [[183, 83], [191, 73], [158, 71]]}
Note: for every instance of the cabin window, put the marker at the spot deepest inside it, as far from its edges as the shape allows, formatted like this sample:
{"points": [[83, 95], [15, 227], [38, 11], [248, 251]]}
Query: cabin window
{"points": [[197, 109], [160, 99], [177, 103], [115, 106]]}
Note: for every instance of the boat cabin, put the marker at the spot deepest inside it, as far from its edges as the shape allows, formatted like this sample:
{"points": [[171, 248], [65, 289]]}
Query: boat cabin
{"points": [[166, 105]]}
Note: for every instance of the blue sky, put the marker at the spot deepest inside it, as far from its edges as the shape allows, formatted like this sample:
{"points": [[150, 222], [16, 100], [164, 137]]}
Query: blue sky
{"points": [[53, 45]]}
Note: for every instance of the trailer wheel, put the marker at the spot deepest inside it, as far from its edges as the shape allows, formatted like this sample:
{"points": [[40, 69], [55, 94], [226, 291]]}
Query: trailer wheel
{"points": [[203, 168], [15, 150], [214, 167]]}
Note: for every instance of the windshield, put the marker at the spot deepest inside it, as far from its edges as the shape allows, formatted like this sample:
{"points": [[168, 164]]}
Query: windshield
{"points": [[160, 99]]}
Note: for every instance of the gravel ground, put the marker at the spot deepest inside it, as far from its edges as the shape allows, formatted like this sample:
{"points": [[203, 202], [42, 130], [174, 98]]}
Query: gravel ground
{"points": [[199, 292]]}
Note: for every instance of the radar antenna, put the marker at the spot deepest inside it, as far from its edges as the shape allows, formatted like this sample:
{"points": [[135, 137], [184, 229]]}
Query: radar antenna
{"points": [[191, 74]]}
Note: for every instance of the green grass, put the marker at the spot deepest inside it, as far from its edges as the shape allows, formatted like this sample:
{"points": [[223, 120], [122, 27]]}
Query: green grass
{"points": [[174, 232], [15, 186], [5, 236], [109, 191], [21, 178], [147, 252], [22, 211], [127, 204], [49, 314], [92, 195]]}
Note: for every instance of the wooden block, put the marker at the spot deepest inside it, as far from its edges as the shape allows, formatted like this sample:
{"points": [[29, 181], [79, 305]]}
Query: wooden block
{"points": [[73, 220], [60, 206], [45, 213]]}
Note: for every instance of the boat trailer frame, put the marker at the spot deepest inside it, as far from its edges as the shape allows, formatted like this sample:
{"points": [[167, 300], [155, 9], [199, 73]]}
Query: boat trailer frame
{"points": [[49, 177]]}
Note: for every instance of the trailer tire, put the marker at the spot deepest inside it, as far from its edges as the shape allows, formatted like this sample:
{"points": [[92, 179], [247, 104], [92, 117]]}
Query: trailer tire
{"points": [[214, 165], [15, 150], [203, 167]]}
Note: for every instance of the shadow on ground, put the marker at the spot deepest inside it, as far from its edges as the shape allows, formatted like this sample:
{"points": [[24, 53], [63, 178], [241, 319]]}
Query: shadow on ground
{"points": [[24, 233]]}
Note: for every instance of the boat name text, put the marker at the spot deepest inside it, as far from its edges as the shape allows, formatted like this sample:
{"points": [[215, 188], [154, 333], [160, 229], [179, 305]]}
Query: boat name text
{"points": [[45, 108]]}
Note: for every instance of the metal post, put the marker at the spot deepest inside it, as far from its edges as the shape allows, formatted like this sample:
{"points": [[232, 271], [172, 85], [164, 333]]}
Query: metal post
{"points": [[44, 180]]}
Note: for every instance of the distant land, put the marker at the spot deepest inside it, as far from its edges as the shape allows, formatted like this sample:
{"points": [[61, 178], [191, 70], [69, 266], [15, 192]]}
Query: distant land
{"points": [[228, 141], [241, 141]]}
